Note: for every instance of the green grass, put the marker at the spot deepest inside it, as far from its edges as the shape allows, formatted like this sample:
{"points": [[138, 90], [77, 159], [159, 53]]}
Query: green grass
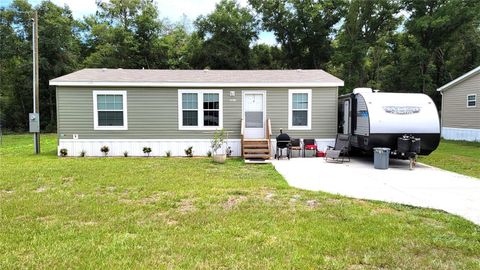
{"points": [[191, 213], [456, 156]]}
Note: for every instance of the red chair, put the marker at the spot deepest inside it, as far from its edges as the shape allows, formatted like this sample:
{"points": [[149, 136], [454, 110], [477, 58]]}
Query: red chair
{"points": [[309, 144]]}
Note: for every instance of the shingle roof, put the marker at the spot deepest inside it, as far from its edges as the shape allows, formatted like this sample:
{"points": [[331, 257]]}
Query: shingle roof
{"points": [[164, 77]]}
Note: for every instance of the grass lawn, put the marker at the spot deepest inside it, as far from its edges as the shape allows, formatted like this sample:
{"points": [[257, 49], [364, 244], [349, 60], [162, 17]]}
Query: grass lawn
{"points": [[191, 213], [456, 156]]}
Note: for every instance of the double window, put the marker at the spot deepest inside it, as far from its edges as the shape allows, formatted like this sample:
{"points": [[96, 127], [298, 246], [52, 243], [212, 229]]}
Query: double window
{"points": [[471, 101], [299, 109], [200, 109], [110, 110]]}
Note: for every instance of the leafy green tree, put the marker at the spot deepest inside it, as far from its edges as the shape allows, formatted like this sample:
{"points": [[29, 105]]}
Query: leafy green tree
{"points": [[434, 25], [226, 34], [59, 50], [361, 42], [264, 56], [304, 28], [122, 34]]}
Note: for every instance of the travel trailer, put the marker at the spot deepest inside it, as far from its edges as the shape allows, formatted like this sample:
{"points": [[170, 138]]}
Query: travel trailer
{"points": [[379, 119]]}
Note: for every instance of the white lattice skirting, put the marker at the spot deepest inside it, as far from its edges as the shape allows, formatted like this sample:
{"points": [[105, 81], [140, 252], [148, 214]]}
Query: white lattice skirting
{"points": [[134, 147], [463, 134]]}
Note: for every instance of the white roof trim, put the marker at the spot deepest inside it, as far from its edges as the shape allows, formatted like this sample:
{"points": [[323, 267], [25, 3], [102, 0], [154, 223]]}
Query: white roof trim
{"points": [[459, 79], [206, 84]]}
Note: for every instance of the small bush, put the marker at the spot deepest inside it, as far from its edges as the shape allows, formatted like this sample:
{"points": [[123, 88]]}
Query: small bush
{"points": [[105, 150], [63, 152], [209, 153], [189, 151], [83, 153], [147, 150], [125, 154], [168, 153]]}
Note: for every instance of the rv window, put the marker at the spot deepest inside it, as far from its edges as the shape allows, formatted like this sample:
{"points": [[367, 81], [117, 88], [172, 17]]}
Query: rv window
{"points": [[200, 109], [110, 110], [299, 109], [472, 101]]}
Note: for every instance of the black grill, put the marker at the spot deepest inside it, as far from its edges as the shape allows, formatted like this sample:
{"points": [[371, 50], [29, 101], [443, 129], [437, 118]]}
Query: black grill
{"points": [[283, 140]]}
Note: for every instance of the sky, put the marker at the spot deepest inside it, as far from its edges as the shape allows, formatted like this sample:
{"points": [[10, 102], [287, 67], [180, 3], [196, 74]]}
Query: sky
{"points": [[174, 10]]}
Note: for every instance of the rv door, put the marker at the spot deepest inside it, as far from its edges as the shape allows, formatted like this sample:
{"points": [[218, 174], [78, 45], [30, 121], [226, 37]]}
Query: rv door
{"points": [[346, 117]]}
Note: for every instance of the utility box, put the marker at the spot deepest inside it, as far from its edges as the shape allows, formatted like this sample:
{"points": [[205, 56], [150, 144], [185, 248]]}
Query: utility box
{"points": [[34, 120]]}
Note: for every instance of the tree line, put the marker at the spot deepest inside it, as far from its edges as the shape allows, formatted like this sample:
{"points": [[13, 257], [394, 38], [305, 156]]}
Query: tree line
{"points": [[392, 45]]}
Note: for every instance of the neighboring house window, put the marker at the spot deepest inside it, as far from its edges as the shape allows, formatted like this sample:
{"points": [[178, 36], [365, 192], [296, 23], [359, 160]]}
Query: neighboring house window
{"points": [[200, 109], [472, 101], [299, 109], [110, 110]]}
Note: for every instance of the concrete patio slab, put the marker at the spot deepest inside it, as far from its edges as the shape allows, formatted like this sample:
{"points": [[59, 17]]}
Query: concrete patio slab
{"points": [[425, 186]]}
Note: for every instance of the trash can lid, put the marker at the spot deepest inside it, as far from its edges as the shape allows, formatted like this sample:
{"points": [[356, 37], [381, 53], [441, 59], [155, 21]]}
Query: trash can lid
{"points": [[381, 149]]}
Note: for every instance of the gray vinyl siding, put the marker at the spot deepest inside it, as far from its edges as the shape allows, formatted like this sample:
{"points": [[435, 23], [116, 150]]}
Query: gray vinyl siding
{"points": [[153, 114], [363, 123], [455, 113]]}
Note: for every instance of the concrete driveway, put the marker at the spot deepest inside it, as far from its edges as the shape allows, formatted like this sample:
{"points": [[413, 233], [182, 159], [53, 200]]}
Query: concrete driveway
{"points": [[424, 186]]}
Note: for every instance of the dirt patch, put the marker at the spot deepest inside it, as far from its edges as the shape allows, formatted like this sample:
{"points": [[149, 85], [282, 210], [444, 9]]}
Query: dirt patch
{"points": [[154, 198], [233, 201], [41, 189], [313, 203], [295, 198], [186, 206], [333, 201], [381, 210], [46, 219], [7, 191], [67, 180], [269, 196]]}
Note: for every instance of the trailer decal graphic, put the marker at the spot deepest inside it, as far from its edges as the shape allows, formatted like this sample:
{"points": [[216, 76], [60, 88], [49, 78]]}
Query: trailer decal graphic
{"points": [[402, 109]]}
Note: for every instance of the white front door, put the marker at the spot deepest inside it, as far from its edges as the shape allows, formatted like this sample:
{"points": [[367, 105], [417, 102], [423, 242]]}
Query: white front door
{"points": [[254, 114]]}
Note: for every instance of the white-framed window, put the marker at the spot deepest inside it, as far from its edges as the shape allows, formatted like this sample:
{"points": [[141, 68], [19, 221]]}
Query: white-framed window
{"points": [[110, 110], [300, 109], [200, 109], [472, 101]]}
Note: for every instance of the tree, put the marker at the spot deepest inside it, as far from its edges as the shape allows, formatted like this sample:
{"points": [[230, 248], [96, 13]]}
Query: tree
{"points": [[226, 34], [304, 28], [361, 43], [123, 34], [59, 50], [432, 25]]}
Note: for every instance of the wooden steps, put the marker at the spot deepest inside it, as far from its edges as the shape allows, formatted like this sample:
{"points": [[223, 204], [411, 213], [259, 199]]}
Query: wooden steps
{"points": [[256, 149]]}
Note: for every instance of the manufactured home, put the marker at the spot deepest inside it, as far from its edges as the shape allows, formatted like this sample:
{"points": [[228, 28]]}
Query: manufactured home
{"points": [[460, 109], [171, 110]]}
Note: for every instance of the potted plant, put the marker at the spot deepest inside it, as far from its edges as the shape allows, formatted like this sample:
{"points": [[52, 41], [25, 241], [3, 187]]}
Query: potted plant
{"points": [[105, 149], [217, 144], [63, 152], [147, 150], [189, 151]]}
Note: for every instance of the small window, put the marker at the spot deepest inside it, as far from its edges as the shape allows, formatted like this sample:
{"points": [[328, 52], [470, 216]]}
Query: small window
{"points": [[110, 110], [190, 109], [472, 101], [211, 109], [200, 109], [300, 109]]}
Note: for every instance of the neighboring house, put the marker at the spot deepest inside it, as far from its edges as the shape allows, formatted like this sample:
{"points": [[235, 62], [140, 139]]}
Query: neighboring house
{"points": [[170, 110], [460, 108]]}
